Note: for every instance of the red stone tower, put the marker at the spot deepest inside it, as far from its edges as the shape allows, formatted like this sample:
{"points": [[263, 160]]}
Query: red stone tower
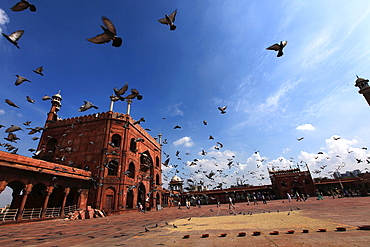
{"points": [[124, 160], [364, 87], [292, 181]]}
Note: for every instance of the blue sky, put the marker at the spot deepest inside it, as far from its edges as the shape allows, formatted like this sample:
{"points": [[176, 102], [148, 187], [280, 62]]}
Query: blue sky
{"points": [[216, 57]]}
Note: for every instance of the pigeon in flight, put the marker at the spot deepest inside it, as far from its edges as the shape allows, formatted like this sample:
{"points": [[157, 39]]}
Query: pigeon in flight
{"points": [[177, 127], [39, 71], [46, 97], [108, 35], [87, 106], [11, 103], [134, 94], [13, 128], [22, 5], [30, 100], [278, 47], [14, 37], [169, 20], [120, 92], [20, 80], [222, 109]]}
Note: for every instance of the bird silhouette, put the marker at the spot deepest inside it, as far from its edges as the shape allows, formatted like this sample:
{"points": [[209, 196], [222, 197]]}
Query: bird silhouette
{"points": [[30, 100], [222, 109], [20, 80], [39, 71], [88, 105], [11, 103], [14, 37], [108, 35], [278, 47], [121, 91], [22, 5], [169, 20]]}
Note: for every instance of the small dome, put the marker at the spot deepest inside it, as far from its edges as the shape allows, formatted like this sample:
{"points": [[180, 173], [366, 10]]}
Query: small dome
{"points": [[57, 95], [361, 80], [176, 179]]}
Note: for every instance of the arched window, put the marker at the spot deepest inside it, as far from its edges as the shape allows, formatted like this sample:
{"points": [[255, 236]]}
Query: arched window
{"points": [[156, 161], [116, 140], [112, 167], [131, 169], [157, 181], [145, 161], [133, 145]]}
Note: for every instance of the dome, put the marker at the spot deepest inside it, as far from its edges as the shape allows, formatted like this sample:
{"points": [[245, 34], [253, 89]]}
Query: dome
{"points": [[360, 80], [57, 95], [176, 179]]}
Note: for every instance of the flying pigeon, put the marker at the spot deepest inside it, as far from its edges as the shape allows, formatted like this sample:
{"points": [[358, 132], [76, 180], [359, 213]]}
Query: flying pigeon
{"points": [[22, 5], [134, 94], [30, 100], [120, 92], [13, 128], [87, 106], [205, 122], [278, 47], [222, 109], [46, 97], [11, 137], [169, 20], [108, 35], [14, 37], [39, 71], [20, 80], [177, 127], [11, 103]]}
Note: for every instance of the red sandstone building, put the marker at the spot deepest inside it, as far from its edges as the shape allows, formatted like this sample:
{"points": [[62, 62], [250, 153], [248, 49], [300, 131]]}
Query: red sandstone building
{"points": [[107, 157]]}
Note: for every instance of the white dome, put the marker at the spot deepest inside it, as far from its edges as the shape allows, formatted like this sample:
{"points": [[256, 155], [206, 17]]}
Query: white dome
{"points": [[176, 179]]}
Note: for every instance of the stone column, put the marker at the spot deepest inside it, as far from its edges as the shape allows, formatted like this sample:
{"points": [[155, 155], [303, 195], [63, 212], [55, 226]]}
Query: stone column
{"points": [[66, 192], [26, 191], [3, 185], [49, 190]]}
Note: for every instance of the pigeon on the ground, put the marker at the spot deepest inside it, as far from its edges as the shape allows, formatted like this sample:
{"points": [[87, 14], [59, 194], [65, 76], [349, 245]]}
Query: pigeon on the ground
{"points": [[169, 20], [108, 35], [39, 71], [22, 5], [20, 80], [14, 37], [87, 106], [11, 103], [278, 47]]}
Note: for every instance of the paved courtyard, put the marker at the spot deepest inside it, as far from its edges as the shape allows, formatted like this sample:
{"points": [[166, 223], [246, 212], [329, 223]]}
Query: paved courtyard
{"points": [[279, 215]]}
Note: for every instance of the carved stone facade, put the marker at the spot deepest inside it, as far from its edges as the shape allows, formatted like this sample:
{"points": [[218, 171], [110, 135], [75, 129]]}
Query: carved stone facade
{"points": [[292, 181], [124, 160]]}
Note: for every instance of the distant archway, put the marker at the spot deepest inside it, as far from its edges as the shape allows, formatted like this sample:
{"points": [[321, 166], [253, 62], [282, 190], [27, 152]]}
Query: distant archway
{"points": [[130, 199], [109, 199]]}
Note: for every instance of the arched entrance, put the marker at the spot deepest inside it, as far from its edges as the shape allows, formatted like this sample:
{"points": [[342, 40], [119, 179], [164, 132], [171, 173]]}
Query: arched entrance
{"points": [[141, 195], [130, 199], [109, 199], [37, 196]]}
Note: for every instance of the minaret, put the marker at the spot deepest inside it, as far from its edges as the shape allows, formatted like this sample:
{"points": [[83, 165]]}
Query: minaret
{"points": [[364, 87], [55, 107]]}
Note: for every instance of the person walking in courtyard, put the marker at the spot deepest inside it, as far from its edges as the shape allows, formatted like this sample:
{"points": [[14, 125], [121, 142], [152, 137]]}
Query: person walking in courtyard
{"points": [[289, 197], [231, 205]]}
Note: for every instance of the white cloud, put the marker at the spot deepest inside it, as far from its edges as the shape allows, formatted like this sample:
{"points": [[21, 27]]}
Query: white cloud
{"points": [[174, 110], [3, 19], [2, 112], [305, 127], [184, 141]]}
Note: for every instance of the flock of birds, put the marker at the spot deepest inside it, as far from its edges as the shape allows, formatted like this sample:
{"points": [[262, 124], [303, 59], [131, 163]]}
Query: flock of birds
{"points": [[214, 178]]}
